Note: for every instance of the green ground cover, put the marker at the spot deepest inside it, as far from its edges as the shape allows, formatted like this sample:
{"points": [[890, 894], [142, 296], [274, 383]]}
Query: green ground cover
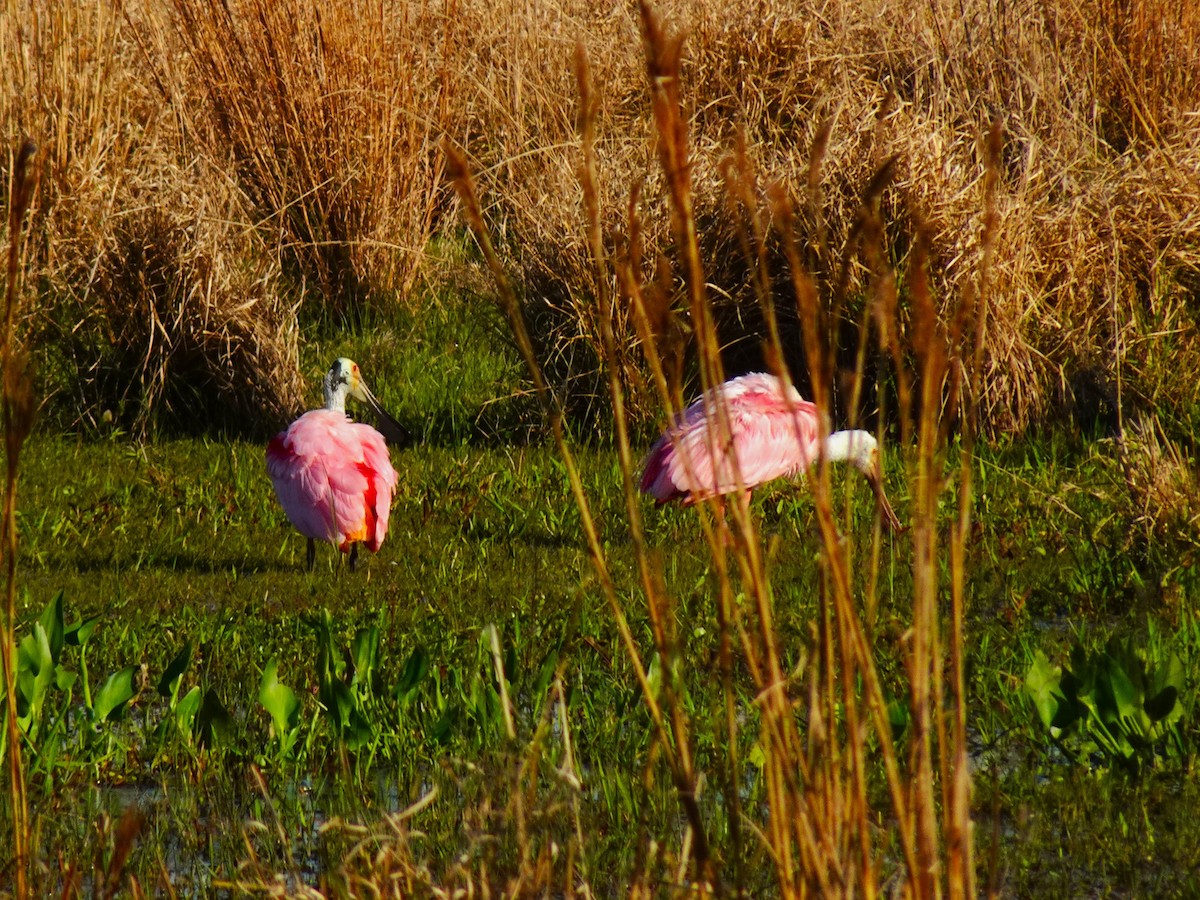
{"points": [[179, 552]]}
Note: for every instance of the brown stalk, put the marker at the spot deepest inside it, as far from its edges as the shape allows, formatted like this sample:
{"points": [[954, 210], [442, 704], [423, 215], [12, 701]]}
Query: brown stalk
{"points": [[18, 413], [676, 752], [782, 741]]}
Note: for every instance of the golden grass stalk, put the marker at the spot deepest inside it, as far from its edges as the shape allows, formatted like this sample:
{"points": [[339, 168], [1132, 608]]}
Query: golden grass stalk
{"points": [[330, 115], [18, 407], [818, 831], [672, 734]]}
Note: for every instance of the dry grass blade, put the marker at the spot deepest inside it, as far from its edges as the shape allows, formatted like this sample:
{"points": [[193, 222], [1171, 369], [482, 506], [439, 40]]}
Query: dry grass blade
{"points": [[18, 412], [315, 106], [675, 742]]}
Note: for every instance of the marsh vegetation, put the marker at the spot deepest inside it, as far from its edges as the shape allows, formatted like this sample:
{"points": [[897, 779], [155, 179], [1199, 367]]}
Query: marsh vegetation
{"points": [[540, 229]]}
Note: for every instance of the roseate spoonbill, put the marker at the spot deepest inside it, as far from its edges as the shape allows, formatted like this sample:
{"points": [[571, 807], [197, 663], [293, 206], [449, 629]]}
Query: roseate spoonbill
{"points": [[772, 434], [332, 476]]}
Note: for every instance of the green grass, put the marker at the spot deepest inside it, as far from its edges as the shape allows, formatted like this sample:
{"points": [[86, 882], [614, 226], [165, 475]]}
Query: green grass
{"points": [[183, 541], [180, 543]]}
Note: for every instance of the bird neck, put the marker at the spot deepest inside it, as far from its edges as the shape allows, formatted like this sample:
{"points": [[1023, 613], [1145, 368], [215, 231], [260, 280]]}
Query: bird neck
{"points": [[335, 396], [847, 445]]}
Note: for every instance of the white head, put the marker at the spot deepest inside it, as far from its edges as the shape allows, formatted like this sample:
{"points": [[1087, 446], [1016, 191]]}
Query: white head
{"points": [[344, 379], [861, 450], [858, 448]]}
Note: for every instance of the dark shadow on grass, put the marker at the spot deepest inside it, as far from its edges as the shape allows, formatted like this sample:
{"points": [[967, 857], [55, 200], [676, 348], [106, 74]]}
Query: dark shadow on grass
{"points": [[175, 562], [532, 537]]}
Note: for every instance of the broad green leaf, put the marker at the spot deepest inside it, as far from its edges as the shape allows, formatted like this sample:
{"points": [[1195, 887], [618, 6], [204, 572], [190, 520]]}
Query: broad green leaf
{"points": [[186, 710], [444, 725], [412, 674], [364, 653], [64, 679], [35, 674], [52, 621], [213, 721], [1160, 707], [279, 700], [116, 691], [175, 668], [654, 676], [1042, 685], [1169, 675], [1126, 696], [78, 634], [756, 757], [898, 716]]}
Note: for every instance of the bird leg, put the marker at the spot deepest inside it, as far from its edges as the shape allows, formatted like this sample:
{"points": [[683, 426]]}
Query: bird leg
{"points": [[312, 554], [744, 503], [353, 556], [731, 526], [738, 519]]}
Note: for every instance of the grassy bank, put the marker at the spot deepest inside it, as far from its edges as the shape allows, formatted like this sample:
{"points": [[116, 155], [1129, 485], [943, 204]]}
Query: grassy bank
{"points": [[182, 543]]}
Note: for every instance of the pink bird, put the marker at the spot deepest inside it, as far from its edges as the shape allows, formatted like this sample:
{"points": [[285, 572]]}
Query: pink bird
{"points": [[333, 476], [772, 434]]}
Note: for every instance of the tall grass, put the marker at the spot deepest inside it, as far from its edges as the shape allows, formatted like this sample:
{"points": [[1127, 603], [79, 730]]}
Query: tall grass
{"points": [[211, 168], [17, 407], [1095, 250], [819, 825], [328, 118], [157, 301]]}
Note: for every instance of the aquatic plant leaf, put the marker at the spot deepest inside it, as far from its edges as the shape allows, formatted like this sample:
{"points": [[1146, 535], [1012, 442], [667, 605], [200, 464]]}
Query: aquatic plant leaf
{"points": [[1125, 694], [358, 731], [757, 757], [35, 674], [186, 710], [1169, 675], [77, 634], [64, 679], [440, 732], [279, 700], [118, 689], [364, 655], [213, 721], [414, 671], [654, 675], [175, 668], [1044, 684], [338, 702], [52, 621], [898, 716], [1162, 704]]}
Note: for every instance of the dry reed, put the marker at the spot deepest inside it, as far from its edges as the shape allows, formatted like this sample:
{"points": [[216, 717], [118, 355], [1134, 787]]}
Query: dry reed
{"points": [[155, 298], [818, 828], [1094, 240], [295, 160], [17, 407]]}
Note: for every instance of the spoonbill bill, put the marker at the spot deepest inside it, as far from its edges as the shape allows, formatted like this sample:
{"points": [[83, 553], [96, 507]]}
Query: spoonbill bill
{"points": [[773, 433], [333, 476]]}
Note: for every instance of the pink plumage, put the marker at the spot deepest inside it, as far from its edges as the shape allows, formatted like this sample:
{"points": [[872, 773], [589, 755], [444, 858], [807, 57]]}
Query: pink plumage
{"points": [[772, 434], [332, 475], [333, 479]]}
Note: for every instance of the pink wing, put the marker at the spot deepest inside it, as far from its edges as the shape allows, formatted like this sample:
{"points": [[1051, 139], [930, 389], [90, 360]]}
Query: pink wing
{"points": [[770, 436], [333, 478]]}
